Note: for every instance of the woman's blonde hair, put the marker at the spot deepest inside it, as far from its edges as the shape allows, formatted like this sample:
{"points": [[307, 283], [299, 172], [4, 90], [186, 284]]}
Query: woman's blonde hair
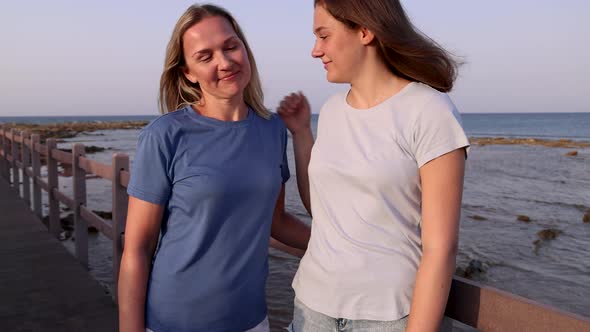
{"points": [[176, 91]]}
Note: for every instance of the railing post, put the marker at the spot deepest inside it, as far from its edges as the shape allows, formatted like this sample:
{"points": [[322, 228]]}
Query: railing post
{"points": [[80, 224], [4, 172], [120, 200], [26, 157], [52, 180], [36, 163], [14, 153]]}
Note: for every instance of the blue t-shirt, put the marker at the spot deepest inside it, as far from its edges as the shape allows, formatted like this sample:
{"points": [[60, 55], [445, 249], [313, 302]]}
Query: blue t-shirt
{"points": [[219, 182]]}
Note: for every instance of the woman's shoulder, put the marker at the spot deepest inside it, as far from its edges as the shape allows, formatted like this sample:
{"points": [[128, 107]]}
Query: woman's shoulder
{"points": [[421, 91], [274, 121], [429, 100], [166, 123]]}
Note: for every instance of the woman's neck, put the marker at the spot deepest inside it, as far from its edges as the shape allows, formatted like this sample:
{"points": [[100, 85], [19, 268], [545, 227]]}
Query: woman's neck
{"points": [[375, 84], [234, 109]]}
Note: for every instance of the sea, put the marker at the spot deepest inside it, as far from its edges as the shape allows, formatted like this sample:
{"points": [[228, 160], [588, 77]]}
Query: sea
{"points": [[502, 182]]}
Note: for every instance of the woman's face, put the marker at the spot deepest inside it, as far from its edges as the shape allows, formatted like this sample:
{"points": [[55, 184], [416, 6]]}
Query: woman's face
{"points": [[216, 58], [338, 46]]}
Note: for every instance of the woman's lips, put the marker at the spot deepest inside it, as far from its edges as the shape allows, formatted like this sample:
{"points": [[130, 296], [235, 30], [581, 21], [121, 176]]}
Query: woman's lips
{"points": [[229, 77]]}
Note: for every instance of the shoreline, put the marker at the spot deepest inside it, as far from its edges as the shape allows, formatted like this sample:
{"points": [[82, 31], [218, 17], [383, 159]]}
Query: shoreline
{"points": [[550, 143], [72, 129]]}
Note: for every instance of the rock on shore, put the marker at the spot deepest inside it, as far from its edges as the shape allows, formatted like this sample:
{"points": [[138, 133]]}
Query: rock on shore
{"points": [[71, 129], [561, 143]]}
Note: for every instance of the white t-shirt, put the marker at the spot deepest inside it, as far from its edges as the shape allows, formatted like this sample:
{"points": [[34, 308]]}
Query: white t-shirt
{"points": [[365, 191]]}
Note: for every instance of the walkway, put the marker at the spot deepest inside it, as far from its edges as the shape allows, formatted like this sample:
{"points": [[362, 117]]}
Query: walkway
{"points": [[42, 286]]}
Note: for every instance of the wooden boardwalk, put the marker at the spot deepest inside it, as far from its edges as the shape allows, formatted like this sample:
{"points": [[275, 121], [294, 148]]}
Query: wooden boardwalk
{"points": [[42, 286]]}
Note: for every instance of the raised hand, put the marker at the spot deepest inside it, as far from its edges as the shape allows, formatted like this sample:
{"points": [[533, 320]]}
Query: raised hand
{"points": [[295, 111]]}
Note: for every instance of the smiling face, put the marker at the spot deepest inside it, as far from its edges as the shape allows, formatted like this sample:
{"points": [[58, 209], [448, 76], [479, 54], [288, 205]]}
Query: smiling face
{"points": [[338, 47], [216, 58]]}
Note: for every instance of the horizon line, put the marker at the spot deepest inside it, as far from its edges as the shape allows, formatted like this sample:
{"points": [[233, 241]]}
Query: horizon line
{"points": [[313, 113]]}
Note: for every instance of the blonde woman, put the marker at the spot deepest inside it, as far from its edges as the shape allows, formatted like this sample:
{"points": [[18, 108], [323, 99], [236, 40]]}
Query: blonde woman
{"points": [[206, 190]]}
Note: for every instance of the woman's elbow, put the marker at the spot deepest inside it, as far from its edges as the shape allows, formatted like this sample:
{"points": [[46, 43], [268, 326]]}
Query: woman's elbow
{"points": [[443, 252]]}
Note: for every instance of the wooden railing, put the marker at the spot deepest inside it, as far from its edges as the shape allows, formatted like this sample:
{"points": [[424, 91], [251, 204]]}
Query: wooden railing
{"points": [[482, 307], [23, 153]]}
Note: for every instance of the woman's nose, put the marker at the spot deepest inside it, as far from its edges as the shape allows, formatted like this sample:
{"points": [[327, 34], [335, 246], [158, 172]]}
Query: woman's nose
{"points": [[224, 61], [316, 52]]}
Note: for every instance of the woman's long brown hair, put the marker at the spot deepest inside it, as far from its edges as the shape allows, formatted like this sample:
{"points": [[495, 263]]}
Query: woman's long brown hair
{"points": [[407, 52]]}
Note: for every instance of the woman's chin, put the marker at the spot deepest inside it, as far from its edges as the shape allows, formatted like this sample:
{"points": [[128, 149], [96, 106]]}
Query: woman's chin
{"points": [[335, 79]]}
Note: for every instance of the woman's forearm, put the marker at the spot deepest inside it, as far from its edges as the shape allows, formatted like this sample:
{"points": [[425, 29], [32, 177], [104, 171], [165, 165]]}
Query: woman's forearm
{"points": [[302, 144], [291, 231], [431, 292], [285, 248], [133, 278]]}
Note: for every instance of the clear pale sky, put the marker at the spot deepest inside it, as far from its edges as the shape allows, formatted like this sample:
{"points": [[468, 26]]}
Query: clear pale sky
{"points": [[76, 57]]}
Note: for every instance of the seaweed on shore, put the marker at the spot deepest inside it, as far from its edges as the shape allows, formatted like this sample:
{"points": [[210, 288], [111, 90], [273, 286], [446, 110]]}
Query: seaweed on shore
{"points": [[474, 270], [523, 218], [548, 234], [544, 236]]}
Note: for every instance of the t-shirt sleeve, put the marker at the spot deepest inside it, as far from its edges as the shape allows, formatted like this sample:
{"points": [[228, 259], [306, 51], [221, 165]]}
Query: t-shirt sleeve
{"points": [[285, 173], [438, 130], [150, 180]]}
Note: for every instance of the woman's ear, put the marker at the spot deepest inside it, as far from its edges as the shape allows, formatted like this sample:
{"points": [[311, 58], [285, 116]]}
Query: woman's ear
{"points": [[188, 75], [366, 36]]}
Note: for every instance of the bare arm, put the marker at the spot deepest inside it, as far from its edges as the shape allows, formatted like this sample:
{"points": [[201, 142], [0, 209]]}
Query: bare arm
{"points": [[285, 248], [296, 113], [287, 229], [302, 144], [442, 189], [141, 237]]}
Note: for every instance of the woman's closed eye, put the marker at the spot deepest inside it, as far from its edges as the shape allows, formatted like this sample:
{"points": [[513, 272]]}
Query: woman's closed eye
{"points": [[203, 57]]}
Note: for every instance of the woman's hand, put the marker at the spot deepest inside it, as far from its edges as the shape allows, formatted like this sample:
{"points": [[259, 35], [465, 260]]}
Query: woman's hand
{"points": [[295, 111]]}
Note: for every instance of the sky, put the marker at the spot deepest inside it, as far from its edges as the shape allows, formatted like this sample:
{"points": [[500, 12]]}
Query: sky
{"points": [[77, 57]]}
